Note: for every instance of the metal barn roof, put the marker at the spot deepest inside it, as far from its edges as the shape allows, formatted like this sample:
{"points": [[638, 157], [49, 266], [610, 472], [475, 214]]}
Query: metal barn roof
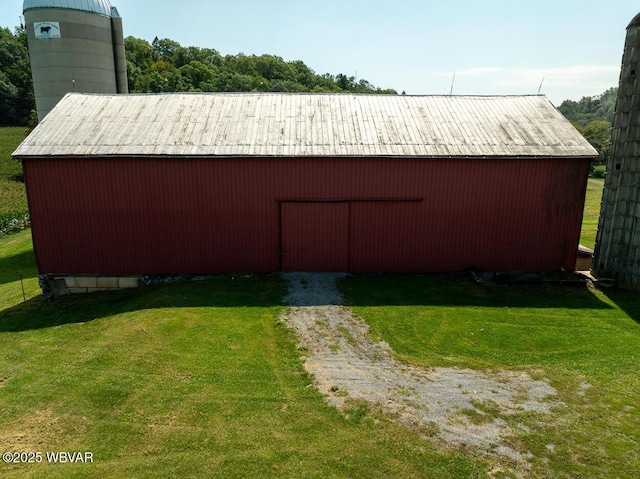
{"points": [[279, 124]]}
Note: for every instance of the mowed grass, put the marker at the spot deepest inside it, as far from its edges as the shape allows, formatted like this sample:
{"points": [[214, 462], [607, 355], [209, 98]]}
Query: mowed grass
{"points": [[194, 379], [584, 342], [12, 193], [18, 273], [591, 212], [202, 380]]}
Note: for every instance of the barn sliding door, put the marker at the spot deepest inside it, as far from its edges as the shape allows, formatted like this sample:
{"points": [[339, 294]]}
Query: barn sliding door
{"points": [[314, 236]]}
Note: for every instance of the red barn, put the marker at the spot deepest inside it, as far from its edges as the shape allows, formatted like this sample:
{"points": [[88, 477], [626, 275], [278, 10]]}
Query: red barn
{"points": [[122, 185]]}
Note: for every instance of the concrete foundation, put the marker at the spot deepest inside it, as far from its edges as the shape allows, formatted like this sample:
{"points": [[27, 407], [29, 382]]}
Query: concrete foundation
{"points": [[63, 285]]}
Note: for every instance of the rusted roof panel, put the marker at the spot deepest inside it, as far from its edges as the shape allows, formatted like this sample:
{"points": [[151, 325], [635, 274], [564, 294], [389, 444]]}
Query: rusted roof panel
{"points": [[287, 125]]}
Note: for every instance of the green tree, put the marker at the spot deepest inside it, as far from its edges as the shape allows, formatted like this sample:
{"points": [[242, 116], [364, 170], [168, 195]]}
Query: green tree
{"points": [[165, 49], [274, 68], [345, 83], [139, 52], [241, 63], [598, 133], [590, 108], [165, 65], [16, 87], [197, 76], [303, 74], [10, 99], [241, 83]]}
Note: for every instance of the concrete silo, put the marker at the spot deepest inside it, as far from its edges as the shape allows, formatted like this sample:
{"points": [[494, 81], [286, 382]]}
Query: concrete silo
{"points": [[74, 45], [617, 251]]}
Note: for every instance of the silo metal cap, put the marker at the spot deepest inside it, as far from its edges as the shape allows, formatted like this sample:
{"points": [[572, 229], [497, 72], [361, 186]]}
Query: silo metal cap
{"points": [[635, 22], [101, 7]]}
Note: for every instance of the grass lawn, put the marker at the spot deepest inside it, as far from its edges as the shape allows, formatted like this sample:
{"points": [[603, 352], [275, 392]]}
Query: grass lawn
{"points": [[12, 194], [192, 379], [201, 379], [586, 343], [591, 212], [16, 261]]}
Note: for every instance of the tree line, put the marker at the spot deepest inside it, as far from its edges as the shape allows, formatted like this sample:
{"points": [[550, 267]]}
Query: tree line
{"points": [[166, 66], [591, 108], [593, 117]]}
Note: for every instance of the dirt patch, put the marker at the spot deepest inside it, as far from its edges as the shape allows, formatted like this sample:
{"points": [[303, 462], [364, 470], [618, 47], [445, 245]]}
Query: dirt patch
{"points": [[463, 407], [30, 432]]}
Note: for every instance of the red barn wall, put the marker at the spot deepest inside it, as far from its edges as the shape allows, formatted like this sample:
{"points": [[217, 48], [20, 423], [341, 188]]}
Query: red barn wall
{"points": [[169, 216]]}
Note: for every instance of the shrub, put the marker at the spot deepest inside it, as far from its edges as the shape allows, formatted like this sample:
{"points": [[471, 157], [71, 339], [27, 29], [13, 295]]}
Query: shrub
{"points": [[598, 171], [14, 222]]}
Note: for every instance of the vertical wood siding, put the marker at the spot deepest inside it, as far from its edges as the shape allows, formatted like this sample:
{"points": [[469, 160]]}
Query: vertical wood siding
{"points": [[170, 216]]}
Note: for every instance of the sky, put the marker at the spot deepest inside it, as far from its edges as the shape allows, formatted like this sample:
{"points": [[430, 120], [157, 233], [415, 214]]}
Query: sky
{"points": [[567, 49]]}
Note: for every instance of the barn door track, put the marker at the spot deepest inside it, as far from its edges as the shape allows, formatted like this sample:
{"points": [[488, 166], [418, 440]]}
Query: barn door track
{"points": [[462, 407]]}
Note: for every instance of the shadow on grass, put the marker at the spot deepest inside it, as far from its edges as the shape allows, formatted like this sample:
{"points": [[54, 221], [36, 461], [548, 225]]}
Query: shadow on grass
{"points": [[627, 301], [17, 177], [458, 290], [12, 267], [268, 291], [225, 292]]}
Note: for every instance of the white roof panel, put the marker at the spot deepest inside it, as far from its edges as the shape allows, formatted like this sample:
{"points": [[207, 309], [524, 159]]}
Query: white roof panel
{"points": [[281, 124]]}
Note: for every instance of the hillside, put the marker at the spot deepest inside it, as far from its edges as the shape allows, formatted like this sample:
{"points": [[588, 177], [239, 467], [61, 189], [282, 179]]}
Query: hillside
{"points": [[591, 108], [593, 117], [166, 66]]}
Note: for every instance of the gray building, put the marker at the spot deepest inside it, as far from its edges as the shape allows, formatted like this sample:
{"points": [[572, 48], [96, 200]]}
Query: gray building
{"points": [[74, 45], [617, 251]]}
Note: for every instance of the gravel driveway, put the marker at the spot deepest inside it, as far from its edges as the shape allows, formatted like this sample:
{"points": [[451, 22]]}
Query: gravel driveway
{"points": [[462, 407]]}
